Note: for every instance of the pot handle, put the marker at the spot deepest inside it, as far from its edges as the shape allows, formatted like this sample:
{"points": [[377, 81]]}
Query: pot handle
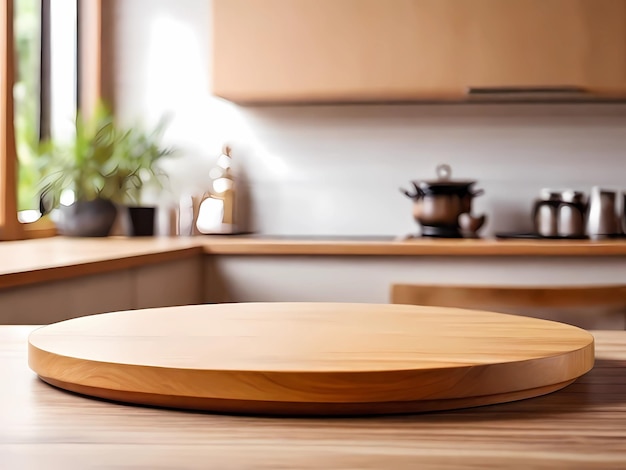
{"points": [[418, 192], [478, 192]]}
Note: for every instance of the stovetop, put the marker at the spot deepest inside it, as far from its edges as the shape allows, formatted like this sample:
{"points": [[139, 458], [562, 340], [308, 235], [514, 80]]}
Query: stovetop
{"points": [[381, 238]]}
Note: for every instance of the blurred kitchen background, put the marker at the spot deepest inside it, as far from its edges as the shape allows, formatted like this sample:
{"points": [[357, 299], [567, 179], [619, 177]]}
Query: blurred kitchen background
{"points": [[336, 170]]}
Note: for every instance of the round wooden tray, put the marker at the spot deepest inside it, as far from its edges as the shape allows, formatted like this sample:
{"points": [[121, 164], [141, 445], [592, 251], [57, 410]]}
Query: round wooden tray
{"points": [[310, 358]]}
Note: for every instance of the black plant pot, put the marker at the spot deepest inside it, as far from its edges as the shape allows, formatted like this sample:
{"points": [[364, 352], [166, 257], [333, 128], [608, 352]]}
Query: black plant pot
{"points": [[87, 218], [142, 221]]}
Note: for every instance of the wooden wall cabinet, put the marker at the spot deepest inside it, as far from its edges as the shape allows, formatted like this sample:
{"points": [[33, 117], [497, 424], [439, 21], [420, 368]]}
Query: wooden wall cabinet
{"points": [[395, 50], [548, 43]]}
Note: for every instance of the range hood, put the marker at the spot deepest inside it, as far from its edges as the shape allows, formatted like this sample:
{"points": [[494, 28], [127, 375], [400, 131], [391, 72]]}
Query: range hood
{"points": [[567, 93]]}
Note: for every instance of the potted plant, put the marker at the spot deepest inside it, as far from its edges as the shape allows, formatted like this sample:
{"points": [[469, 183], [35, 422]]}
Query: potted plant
{"points": [[102, 167], [78, 176], [137, 153]]}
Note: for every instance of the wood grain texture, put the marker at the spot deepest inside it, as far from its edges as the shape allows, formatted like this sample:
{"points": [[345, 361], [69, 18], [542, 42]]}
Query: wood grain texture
{"points": [[357, 358], [9, 226], [302, 409], [580, 426], [401, 50]]}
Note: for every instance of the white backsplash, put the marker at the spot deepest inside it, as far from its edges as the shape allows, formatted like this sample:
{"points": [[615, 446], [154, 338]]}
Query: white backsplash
{"points": [[337, 169]]}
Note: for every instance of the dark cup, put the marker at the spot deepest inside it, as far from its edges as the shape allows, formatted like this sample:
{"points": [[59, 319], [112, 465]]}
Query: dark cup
{"points": [[142, 221]]}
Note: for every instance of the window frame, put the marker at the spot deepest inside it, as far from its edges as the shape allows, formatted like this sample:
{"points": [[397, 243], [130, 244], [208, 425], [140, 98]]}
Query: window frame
{"points": [[94, 83], [9, 226]]}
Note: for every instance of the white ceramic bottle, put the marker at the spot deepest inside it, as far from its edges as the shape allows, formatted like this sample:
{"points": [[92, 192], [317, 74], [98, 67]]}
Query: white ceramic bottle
{"points": [[215, 211]]}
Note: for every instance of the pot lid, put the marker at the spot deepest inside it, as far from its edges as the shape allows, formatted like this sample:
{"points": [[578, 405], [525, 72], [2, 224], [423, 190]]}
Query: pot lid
{"points": [[443, 181]]}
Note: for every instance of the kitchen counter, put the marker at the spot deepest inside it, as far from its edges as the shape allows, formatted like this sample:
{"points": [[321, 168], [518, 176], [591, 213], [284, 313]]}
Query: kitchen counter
{"points": [[48, 259], [32, 261], [581, 426], [390, 246]]}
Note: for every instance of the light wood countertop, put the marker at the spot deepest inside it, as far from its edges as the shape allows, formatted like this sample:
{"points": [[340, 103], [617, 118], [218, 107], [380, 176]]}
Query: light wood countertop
{"points": [[49, 259], [31, 261], [413, 247], [581, 426]]}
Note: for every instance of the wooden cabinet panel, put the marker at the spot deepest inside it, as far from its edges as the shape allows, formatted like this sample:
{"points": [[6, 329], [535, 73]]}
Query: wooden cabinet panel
{"points": [[547, 43], [338, 49], [374, 50], [68, 298], [167, 284]]}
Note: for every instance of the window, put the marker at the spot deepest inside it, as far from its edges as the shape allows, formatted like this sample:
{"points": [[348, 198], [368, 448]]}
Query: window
{"points": [[59, 50]]}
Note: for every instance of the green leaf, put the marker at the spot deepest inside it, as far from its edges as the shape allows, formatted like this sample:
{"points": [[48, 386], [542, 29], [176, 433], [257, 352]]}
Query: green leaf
{"points": [[103, 160]]}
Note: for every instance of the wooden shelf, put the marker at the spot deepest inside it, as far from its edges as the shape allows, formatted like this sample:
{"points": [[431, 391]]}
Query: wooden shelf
{"points": [[32, 261]]}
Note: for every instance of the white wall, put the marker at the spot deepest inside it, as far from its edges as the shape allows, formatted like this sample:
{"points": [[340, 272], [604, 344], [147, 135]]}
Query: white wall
{"points": [[337, 169]]}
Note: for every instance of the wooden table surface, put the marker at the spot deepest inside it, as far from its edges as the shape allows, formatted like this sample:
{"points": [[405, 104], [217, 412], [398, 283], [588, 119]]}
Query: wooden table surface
{"points": [[581, 426]]}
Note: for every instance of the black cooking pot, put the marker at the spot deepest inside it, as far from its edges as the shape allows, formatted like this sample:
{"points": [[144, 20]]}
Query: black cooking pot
{"points": [[438, 204]]}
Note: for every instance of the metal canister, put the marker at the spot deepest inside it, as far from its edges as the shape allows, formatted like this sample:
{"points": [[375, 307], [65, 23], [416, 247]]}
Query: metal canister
{"points": [[545, 218], [571, 214], [545, 213]]}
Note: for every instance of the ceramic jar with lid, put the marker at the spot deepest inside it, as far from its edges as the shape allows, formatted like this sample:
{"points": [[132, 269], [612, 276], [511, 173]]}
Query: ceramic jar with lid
{"points": [[437, 204], [560, 213]]}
